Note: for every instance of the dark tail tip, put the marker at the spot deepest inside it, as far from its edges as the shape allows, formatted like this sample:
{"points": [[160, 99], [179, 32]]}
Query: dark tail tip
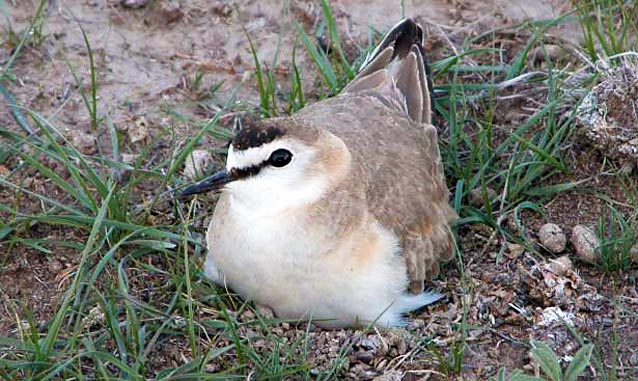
{"points": [[406, 34], [413, 79]]}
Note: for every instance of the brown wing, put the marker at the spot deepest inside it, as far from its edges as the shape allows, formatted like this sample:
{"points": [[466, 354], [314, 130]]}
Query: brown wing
{"points": [[384, 118]]}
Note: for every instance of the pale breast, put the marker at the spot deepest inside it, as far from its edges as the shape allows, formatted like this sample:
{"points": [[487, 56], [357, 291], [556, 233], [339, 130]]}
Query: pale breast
{"points": [[289, 265], [273, 260]]}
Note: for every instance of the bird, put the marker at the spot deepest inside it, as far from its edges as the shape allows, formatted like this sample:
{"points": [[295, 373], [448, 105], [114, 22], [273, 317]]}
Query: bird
{"points": [[340, 212]]}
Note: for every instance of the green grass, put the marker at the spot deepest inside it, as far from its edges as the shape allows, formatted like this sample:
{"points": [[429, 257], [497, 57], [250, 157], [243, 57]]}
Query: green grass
{"points": [[137, 285], [609, 27], [32, 35], [549, 363], [618, 238]]}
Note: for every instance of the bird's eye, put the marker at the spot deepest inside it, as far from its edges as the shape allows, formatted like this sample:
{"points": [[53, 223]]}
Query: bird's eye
{"points": [[280, 158]]}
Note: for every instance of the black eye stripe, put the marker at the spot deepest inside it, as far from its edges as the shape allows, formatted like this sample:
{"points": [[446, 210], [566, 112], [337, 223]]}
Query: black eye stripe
{"points": [[253, 170], [242, 173]]}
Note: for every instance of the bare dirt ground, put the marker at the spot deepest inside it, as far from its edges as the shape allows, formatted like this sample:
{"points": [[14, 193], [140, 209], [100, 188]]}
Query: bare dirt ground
{"points": [[148, 60]]}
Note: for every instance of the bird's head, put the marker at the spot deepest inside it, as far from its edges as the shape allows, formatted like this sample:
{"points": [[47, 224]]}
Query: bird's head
{"points": [[276, 164]]}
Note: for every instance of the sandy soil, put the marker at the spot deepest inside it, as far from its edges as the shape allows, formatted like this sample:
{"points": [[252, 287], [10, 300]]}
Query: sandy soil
{"points": [[149, 56]]}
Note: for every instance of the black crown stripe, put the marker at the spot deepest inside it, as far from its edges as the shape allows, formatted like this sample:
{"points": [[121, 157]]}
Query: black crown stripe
{"points": [[252, 136]]}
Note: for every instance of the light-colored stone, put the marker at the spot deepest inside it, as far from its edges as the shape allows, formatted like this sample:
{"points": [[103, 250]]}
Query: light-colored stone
{"points": [[138, 131], [477, 196], [196, 163], [585, 243], [560, 265], [552, 237], [55, 266], [84, 143], [514, 250], [134, 4], [554, 52], [633, 253], [607, 115], [129, 158]]}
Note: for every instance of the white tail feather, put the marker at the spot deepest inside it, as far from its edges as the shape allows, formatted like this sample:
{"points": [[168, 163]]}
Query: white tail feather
{"points": [[413, 302]]}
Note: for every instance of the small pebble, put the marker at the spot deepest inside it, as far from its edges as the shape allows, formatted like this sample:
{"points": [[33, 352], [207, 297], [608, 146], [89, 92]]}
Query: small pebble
{"points": [[172, 11], [133, 4], [554, 52], [552, 237], [585, 244], [85, 143], [633, 253], [514, 250], [196, 163], [55, 266], [367, 343], [129, 158], [627, 168], [477, 199], [560, 265], [138, 131]]}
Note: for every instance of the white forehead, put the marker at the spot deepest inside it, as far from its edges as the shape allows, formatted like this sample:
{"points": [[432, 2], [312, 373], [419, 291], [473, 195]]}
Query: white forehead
{"points": [[255, 155]]}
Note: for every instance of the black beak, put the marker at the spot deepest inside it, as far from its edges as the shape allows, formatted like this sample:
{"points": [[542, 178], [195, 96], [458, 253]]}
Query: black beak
{"points": [[214, 182]]}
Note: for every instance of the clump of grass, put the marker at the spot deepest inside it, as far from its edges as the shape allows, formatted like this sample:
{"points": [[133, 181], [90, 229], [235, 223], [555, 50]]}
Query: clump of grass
{"points": [[609, 26], [270, 93], [618, 248], [93, 202], [101, 327], [549, 363], [514, 161], [32, 35], [336, 70]]}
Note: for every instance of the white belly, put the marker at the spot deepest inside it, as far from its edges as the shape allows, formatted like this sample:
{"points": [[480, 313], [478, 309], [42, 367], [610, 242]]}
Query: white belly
{"points": [[287, 266]]}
